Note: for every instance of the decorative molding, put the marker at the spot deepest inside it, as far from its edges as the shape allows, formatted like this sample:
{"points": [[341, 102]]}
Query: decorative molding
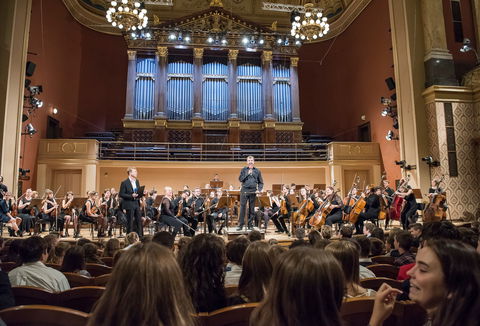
{"points": [[289, 126], [89, 18], [472, 78], [448, 94], [232, 54], [267, 56], [71, 149], [294, 61], [436, 53], [132, 55], [216, 3], [162, 51], [354, 151], [198, 53]]}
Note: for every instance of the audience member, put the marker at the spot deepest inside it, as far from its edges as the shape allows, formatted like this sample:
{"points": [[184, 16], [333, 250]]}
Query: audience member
{"points": [[33, 272], [131, 239], [469, 237], [148, 276], [182, 244], [6, 295], [235, 251], [91, 254], [326, 232], [321, 243], [83, 241], [111, 248], [403, 243], [74, 261], [274, 252], [365, 245], [204, 278], [415, 230], [313, 236], [254, 236], [346, 231], [299, 243], [390, 243], [347, 254], [379, 234], [52, 240], [165, 239], [56, 255], [307, 288], [300, 233], [368, 228], [377, 247], [13, 252]]}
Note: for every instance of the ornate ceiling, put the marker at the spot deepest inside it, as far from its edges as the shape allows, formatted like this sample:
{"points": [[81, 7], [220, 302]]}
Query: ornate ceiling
{"points": [[341, 13]]}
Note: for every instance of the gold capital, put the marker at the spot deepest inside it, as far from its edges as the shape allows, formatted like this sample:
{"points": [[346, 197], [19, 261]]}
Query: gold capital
{"points": [[132, 54], [216, 3], [198, 53], [232, 54], [162, 51], [267, 56], [294, 61]]}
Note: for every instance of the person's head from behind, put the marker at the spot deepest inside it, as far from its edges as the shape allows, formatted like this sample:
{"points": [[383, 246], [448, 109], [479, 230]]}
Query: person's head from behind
{"points": [[34, 249], [365, 245], [236, 249], [377, 247], [164, 238], [439, 230], [112, 246], [314, 279], [204, 277], [299, 243], [403, 241], [158, 300], [468, 237], [390, 243], [368, 228], [74, 260], [415, 230], [274, 252], [256, 271], [132, 238], [313, 236], [347, 254], [91, 250], [83, 241], [346, 231], [326, 232], [446, 282], [254, 236], [378, 233]]}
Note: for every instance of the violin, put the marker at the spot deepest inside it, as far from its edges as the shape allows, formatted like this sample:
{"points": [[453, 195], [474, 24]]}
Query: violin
{"points": [[283, 206]]}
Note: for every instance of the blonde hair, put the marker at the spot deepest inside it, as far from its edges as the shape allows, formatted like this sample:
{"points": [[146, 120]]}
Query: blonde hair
{"points": [[130, 169], [132, 238]]}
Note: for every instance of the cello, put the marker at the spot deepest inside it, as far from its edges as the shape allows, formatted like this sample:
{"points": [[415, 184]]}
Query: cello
{"points": [[383, 214], [398, 201], [435, 210], [300, 215], [348, 201], [357, 208], [319, 218]]}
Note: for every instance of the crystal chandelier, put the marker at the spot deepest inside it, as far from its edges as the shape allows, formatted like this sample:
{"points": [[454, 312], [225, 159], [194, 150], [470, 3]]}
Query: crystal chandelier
{"points": [[310, 25], [127, 15]]}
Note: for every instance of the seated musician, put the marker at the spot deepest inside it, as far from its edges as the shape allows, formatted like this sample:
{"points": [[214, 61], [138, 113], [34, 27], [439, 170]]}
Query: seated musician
{"points": [[372, 208], [118, 210], [91, 213], [304, 209], [335, 215], [107, 207], [272, 211], [214, 213], [25, 212], [196, 204], [284, 212], [67, 213], [6, 216], [48, 210], [152, 212], [146, 219], [350, 200], [410, 208], [167, 215]]}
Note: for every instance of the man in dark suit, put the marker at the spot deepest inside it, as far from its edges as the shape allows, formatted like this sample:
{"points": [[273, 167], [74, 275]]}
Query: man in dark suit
{"points": [[252, 183], [131, 201]]}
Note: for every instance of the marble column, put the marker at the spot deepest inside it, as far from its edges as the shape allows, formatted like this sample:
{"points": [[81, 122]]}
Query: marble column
{"points": [[161, 82], [232, 82], [197, 82], [439, 66], [267, 81], [131, 78], [294, 89]]}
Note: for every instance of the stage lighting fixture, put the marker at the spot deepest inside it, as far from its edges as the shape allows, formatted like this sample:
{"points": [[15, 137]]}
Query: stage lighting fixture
{"points": [[55, 111], [35, 90], [210, 39], [245, 40], [24, 117], [467, 46], [430, 161], [390, 136], [35, 102], [30, 130], [395, 123], [385, 112]]}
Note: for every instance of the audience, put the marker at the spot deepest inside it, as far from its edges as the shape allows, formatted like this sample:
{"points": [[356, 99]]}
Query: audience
{"points": [[368, 228], [326, 232], [131, 239], [83, 241], [204, 278], [165, 239], [56, 255], [390, 243], [299, 243], [6, 295], [111, 248], [313, 237], [74, 261], [91, 254], [415, 230], [378, 233], [33, 272], [274, 252], [256, 273], [347, 254], [403, 244], [377, 247], [307, 288], [321, 243], [365, 245], [182, 245], [254, 236], [346, 231], [148, 275], [469, 237], [235, 251], [13, 252]]}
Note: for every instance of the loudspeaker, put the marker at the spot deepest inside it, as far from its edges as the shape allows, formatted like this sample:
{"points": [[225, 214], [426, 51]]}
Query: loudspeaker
{"points": [[30, 68], [390, 83]]}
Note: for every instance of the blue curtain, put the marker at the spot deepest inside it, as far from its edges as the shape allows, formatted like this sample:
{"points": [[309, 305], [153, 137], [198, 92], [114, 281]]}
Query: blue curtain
{"points": [[282, 94], [249, 91], [215, 89], [144, 89], [180, 89]]}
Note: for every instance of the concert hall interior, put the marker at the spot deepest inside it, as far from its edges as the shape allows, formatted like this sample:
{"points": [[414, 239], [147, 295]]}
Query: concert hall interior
{"points": [[210, 124]]}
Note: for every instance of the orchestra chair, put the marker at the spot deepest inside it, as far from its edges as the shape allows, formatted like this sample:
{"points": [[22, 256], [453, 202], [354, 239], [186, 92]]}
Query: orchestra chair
{"points": [[28, 295], [43, 315], [97, 269], [238, 315], [8, 266], [384, 270], [54, 266], [101, 280], [81, 298], [382, 260], [231, 290], [357, 312], [76, 280], [374, 283], [108, 261]]}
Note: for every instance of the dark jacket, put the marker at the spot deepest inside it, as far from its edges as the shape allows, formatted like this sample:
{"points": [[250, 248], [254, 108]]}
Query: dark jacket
{"points": [[126, 192], [251, 181]]}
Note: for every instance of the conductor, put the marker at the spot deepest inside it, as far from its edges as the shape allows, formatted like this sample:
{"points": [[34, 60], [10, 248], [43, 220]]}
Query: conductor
{"points": [[252, 183], [131, 201]]}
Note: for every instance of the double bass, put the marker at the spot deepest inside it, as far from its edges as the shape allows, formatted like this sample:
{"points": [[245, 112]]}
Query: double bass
{"points": [[435, 210], [300, 215], [382, 215], [397, 204], [357, 208]]}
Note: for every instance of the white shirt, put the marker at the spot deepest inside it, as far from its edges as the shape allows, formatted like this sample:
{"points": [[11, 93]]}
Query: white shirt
{"points": [[134, 183], [233, 275], [366, 273], [38, 275]]}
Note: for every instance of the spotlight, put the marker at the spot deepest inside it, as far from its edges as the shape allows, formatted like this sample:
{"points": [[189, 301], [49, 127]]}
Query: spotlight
{"points": [[287, 42], [298, 43], [390, 136], [172, 36], [401, 163], [466, 47], [27, 83], [279, 41], [224, 41], [393, 97], [187, 38], [35, 102], [385, 111], [210, 39], [34, 90], [395, 123], [55, 111], [148, 35], [385, 101], [430, 161], [30, 130], [24, 117], [261, 41], [245, 40]]}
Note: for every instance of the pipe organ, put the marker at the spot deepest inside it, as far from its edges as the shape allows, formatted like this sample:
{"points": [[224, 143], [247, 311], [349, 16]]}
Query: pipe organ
{"points": [[215, 80]]}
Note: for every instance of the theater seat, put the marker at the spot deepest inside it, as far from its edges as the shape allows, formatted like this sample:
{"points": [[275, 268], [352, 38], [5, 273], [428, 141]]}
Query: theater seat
{"points": [[357, 312], [383, 260], [80, 298], [43, 315], [231, 290], [108, 261], [101, 280], [238, 315], [375, 283], [384, 270], [28, 295], [97, 269], [76, 280]]}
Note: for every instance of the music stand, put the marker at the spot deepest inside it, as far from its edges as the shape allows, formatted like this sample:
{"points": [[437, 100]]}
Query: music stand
{"points": [[277, 189], [225, 202], [417, 193], [36, 202], [319, 186], [158, 200], [263, 201], [140, 192], [293, 200], [216, 184]]}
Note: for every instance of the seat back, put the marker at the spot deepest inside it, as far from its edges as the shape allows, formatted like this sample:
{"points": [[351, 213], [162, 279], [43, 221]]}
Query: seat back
{"points": [[108, 261], [43, 315], [231, 290], [375, 283], [54, 266], [357, 312], [8, 266], [384, 270], [101, 280], [383, 260], [76, 280], [97, 269], [28, 295], [238, 315], [81, 298]]}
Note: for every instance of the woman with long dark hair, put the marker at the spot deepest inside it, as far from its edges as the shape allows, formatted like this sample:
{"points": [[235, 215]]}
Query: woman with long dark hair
{"points": [[146, 288], [306, 289], [445, 281], [203, 266], [74, 261]]}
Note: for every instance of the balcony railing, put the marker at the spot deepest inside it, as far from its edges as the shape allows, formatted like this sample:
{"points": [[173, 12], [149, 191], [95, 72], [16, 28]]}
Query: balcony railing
{"points": [[151, 151]]}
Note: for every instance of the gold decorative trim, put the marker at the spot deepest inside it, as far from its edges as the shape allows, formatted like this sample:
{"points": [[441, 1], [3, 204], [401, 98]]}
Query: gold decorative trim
{"points": [[159, 122], [179, 124], [138, 124], [132, 55], [297, 126], [216, 3], [215, 125], [162, 51], [198, 53], [198, 123], [267, 56], [234, 123], [232, 54], [294, 61], [448, 94], [269, 124], [251, 126]]}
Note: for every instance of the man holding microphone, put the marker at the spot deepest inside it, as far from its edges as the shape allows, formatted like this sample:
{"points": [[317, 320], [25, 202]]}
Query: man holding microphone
{"points": [[252, 183]]}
